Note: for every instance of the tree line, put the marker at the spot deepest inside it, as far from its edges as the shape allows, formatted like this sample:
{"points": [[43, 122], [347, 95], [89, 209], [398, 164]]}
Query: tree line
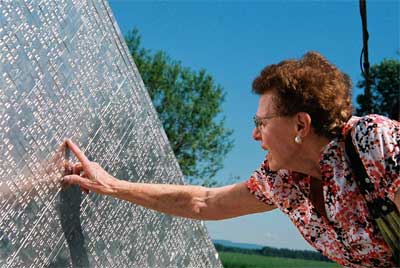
{"points": [[276, 252]]}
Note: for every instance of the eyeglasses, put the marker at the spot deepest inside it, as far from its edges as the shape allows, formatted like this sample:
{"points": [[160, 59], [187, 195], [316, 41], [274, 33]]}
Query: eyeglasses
{"points": [[260, 121]]}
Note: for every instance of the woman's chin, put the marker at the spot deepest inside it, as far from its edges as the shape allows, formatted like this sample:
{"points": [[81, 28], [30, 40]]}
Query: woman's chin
{"points": [[273, 168]]}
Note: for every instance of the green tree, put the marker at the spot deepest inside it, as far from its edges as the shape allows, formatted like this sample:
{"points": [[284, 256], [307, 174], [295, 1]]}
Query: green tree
{"points": [[189, 106], [385, 90]]}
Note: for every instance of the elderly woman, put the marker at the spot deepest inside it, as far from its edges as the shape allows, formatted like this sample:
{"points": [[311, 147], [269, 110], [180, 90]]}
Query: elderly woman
{"points": [[303, 117]]}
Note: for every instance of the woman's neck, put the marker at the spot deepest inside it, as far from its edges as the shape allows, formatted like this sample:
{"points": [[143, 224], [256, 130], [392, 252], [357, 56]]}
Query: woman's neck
{"points": [[308, 160]]}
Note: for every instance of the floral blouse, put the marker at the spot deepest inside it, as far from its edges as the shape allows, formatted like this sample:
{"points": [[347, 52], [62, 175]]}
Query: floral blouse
{"points": [[348, 235]]}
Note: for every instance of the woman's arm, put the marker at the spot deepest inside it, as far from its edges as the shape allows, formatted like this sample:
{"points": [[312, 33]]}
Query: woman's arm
{"points": [[180, 200], [192, 201]]}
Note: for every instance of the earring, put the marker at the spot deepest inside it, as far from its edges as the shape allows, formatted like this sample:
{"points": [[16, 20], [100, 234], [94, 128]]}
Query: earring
{"points": [[297, 140]]}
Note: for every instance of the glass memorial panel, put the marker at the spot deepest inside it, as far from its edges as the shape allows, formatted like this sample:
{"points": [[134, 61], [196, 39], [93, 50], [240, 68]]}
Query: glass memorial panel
{"points": [[65, 71]]}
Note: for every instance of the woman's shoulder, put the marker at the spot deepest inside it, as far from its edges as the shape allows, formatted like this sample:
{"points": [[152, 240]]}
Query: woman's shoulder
{"points": [[374, 133], [377, 139], [375, 120], [371, 125]]}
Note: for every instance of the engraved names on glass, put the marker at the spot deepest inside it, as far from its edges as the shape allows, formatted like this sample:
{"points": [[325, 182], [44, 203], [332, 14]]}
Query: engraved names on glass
{"points": [[65, 71]]}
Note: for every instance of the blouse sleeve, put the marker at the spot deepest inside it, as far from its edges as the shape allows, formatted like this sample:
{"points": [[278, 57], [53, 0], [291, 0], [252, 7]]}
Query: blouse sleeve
{"points": [[259, 185], [377, 140]]}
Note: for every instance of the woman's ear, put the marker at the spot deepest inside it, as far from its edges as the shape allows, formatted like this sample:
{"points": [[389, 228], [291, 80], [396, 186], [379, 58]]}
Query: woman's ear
{"points": [[302, 124]]}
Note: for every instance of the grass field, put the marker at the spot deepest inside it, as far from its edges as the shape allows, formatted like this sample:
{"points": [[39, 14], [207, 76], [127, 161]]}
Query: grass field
{"points": [[239, 260]]}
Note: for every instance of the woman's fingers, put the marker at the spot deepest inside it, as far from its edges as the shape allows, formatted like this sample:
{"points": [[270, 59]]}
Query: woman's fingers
{"points": [[85, 184], [75, 179], [77, 168], [72, 168], [88, 175], [77, 152]]}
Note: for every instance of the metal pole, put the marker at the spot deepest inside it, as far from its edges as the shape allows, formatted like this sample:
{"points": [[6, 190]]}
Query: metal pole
{"points": [[365, 66]]}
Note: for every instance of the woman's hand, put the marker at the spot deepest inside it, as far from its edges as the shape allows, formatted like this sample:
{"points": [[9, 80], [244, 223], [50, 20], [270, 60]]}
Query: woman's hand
{"points": [[90, 176]]}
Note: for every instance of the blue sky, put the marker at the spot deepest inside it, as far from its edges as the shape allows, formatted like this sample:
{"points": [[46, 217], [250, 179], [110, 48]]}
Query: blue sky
{"points": [[233, 41]]}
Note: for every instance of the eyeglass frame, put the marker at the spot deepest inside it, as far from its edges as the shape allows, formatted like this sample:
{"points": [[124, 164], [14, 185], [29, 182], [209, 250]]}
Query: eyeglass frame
{"points": [[259, 121]]}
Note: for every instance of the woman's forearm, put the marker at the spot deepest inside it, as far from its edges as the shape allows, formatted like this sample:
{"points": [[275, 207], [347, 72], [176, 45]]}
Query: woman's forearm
{"points": [[180, 200]]}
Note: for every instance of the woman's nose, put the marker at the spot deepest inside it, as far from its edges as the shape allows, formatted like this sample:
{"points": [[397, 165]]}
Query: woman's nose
{"points": [[256, 134]]}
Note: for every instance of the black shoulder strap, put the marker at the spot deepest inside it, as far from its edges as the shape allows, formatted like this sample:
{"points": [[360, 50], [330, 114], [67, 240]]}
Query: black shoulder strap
{"points": [[362, 178], [378, 206]]}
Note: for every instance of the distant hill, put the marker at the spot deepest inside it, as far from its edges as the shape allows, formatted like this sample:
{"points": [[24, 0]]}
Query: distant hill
{"points": [[227, 243]]}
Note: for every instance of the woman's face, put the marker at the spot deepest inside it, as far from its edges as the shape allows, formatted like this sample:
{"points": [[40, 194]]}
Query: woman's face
{"points": [[276, 134]]}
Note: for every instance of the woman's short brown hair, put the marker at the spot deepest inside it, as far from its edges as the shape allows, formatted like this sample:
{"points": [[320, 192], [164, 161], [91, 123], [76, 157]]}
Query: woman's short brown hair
{"points": [[312, 85]]}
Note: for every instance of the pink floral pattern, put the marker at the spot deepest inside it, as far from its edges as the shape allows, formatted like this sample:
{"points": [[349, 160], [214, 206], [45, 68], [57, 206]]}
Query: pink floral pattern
{"points": [[348, 236]]}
